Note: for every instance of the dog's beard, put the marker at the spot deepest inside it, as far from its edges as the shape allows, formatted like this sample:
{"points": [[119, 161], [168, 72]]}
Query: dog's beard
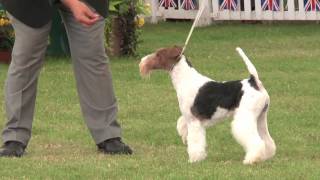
{"points": [[145, 71]]}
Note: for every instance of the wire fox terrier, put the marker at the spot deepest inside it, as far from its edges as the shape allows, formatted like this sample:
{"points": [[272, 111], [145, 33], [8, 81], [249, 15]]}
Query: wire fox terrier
{"points": [[204, 102]]}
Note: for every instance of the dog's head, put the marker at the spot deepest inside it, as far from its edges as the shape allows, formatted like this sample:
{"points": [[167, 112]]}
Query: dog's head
{"points": [[164, 58]]}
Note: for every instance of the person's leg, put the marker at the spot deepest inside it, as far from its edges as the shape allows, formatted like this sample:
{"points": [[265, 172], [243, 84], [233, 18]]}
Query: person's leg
{"points": [[21, 84], [93, 77]]}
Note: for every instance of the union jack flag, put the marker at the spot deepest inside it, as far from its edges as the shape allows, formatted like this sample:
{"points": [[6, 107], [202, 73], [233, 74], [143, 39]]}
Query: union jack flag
{"points": [[189, 4], [312, 5], [228, 4], [168, 3], [272, 5]]}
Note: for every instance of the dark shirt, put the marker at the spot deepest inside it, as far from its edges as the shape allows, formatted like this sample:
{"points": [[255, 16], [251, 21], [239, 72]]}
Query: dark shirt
{"points": [[37, 13]]}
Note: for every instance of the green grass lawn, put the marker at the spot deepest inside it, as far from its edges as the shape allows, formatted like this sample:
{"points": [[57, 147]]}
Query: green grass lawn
{"points": [[287, 57]]}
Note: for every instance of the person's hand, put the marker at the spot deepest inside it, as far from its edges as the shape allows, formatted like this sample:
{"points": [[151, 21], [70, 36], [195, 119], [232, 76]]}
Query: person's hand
{"points": [[81, 12]]}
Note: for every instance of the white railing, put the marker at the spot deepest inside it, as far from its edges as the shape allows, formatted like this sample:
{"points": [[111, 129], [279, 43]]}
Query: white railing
{"points": [[237, 10]]}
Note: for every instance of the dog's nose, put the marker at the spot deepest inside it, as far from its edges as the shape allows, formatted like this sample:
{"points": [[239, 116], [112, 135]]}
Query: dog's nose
{"points": [[144, 70], [143, 67]]}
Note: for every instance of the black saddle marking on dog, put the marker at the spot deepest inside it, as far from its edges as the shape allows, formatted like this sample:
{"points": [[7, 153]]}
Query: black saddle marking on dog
{"points": [[216, 94], [189, 63], [253, 83]]}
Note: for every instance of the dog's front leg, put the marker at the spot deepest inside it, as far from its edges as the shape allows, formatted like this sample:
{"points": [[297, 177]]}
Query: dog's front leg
{"points": [[196, 141], [182, 129]]}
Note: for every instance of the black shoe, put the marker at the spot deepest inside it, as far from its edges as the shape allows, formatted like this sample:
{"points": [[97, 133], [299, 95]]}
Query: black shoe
{"points": [[114, 146], [12, 149]]}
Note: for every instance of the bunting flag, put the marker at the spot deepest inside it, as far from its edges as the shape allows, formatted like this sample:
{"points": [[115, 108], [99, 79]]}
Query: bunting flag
{"points": [[189, 4], [168, 3], [271, 5], [228, 5], [311, 5]]}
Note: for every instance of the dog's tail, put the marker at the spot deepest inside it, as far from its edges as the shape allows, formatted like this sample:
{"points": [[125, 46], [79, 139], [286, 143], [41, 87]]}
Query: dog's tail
{"points": [[252, 70]]}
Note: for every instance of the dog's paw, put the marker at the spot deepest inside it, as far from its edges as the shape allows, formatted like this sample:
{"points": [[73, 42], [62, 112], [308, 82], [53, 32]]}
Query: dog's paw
{"points": [[249, 161], [197, 156], [254, 157]]}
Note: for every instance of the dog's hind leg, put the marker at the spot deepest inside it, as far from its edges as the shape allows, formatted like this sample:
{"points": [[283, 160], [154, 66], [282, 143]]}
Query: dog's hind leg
{"points": [[264, 134], [182, 129], [196, 141], [244, 129]]}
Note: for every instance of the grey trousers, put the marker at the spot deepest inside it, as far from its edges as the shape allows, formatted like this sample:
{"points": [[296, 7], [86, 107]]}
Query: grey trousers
{"points": [[93, 78]]}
